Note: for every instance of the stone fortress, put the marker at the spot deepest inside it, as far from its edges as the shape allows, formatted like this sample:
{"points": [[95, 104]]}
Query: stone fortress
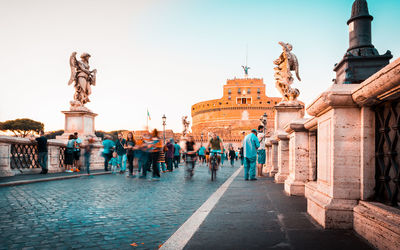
{"points": [[239, 110]]}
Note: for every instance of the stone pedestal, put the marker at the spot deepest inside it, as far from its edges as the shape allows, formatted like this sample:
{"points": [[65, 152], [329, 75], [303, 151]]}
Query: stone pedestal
{"points": [[298, 158], [5, 169], [81, 121], [274, 158], [285, 112], [338, 160], [283, 157]]}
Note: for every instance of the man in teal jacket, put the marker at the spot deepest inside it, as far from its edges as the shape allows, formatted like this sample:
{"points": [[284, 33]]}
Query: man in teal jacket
{"points": [[250, 145]]}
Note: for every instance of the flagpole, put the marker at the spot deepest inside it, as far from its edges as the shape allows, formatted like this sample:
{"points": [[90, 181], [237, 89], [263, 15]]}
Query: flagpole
{"points": [[147, 120]]}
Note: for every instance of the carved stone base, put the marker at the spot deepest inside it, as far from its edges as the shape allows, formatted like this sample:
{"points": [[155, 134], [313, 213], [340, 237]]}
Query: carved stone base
{"points": [[293, 187], [329, 212]]}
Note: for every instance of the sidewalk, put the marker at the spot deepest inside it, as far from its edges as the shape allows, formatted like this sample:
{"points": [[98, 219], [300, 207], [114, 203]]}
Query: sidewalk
{"points": [[33, 178], [258, 215]]}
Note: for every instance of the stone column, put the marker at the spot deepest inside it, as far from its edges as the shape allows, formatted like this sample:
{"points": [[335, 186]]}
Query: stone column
{"points": [[338, 177], [274, 158], [312, 155], [298, 158], [268, 148], [283, 157], [53, 160], [5, 167]]}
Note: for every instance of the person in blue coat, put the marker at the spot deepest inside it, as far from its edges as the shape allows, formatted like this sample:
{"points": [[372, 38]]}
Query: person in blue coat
{"points": [[250, 146]]}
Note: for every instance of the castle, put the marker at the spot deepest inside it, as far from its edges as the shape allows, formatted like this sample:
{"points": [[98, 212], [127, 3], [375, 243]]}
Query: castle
{"points": [[239, 110]]}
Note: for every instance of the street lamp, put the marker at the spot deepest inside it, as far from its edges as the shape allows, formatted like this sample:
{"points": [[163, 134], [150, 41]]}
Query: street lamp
{"points": [[164, 122], [263, 121], [202, 134]]}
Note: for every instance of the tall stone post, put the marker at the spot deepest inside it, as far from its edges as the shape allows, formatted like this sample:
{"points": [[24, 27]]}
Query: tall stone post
{"points": [[274, 158], [285, 112], [298, 157], [5, 168], [283, 158]]}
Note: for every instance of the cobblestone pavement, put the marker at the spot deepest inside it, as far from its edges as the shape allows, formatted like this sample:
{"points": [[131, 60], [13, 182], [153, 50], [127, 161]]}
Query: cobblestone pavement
{"points": [[106, 212]]}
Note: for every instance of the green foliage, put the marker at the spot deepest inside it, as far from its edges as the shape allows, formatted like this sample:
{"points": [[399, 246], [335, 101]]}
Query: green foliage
{"points": [[53, 134], [22, 127]]}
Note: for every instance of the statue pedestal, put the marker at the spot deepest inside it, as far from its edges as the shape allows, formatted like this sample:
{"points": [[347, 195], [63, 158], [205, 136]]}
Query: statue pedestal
{"points": [[81, 121]]}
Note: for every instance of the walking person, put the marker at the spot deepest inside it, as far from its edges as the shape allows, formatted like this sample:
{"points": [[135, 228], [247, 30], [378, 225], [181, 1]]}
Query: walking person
{"points": [[202, 155], [232, 155], [77, 153], [109, 146], [120, 145], [130, 152], [177, 154], [260, 151], [155, 149], [190, 155], [170, 155], [69, 154], [88, 153], [161, 159], [42, 151], [250, 145]]}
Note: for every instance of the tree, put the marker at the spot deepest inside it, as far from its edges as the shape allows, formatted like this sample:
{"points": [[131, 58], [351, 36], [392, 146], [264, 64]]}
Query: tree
{"points": [[22, 127], [53, 134]]}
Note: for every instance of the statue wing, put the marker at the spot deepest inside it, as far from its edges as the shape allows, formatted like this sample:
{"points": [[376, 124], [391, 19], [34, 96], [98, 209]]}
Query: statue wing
{"points": [[73, 63], [296, 66]]}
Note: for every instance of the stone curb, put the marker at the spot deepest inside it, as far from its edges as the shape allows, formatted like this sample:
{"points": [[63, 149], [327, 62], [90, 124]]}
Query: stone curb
{"points": [[15, 183]]}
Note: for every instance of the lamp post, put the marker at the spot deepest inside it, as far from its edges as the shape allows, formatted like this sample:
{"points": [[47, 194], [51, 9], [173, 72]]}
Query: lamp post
{"points": [[164, 122], [202, 138], [263, 121]]}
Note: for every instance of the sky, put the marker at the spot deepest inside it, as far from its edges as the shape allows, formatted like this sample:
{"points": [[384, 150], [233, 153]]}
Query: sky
{"points": [[166, 55]]}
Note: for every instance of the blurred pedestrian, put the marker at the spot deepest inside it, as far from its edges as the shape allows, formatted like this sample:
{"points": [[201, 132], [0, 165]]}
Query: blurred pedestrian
{"points": [[232, 155], [108, 149], [161, 158], [170, 155], [120, 145], [88, 152], [42, 151], [250, 145], [201, 152], [69, 154], [77, 152], [130, 152], [177, 154], [261, 150], [155, 149]]}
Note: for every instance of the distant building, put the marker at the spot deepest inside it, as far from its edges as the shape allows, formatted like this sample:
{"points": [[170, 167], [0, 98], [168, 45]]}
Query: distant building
{"points": [[239, 110]]}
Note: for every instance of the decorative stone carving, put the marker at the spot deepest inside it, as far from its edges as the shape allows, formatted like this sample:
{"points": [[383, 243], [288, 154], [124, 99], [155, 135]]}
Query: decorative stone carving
{"points": [[185, 124], [286, 63]]}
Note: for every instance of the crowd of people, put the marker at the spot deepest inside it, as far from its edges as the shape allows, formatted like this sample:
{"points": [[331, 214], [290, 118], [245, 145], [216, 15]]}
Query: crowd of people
{"points": [[149, 154]]}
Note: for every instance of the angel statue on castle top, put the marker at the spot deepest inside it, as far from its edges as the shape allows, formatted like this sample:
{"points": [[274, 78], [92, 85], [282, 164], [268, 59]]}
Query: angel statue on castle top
{"points": [[83, 78]]}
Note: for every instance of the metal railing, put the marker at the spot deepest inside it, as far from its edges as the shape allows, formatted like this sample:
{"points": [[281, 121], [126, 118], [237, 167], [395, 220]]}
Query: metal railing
{"points": [[23, 156], [387, 148]]}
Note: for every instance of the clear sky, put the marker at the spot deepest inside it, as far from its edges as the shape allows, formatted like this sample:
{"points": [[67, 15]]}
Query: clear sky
{"points": [[166, 55]]}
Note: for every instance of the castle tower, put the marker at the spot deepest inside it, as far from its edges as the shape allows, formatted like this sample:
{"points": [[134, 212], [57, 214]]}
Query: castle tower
{"points": [[362, 59]]}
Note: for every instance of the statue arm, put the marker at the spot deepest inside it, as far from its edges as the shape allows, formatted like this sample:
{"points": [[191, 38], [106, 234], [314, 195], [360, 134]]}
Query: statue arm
{"points": [[73, 65]]}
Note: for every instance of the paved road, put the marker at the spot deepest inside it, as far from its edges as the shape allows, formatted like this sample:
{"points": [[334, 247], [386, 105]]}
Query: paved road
{"points": [[107, 212], [259, 215]]}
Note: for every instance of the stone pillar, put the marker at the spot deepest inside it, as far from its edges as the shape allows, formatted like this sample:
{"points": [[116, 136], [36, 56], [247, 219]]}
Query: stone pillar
{"points": [[367, 153], [298, 158], [338, 160], [274, 158], [285, 112], [283, 157], [5, 167], [312, 155], [268, 148]]}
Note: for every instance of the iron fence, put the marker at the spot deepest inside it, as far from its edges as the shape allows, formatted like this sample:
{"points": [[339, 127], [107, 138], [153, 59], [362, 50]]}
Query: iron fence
{"points": [[24, 156], [387, 148]]}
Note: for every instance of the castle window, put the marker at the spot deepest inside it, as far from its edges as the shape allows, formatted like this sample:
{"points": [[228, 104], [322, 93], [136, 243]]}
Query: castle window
{"points": [[229, 97], [269, 102], [258, 97], [248, 90], [229, 91], [258, 91], [239, 90]]}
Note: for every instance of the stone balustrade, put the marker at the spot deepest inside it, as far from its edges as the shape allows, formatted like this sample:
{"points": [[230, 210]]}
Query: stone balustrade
{"points": [[345, 159], [19, 155]]}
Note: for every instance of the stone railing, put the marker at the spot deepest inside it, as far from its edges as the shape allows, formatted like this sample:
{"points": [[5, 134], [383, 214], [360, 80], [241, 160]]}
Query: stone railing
{"points": [[20, 156], [345, 159]]}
